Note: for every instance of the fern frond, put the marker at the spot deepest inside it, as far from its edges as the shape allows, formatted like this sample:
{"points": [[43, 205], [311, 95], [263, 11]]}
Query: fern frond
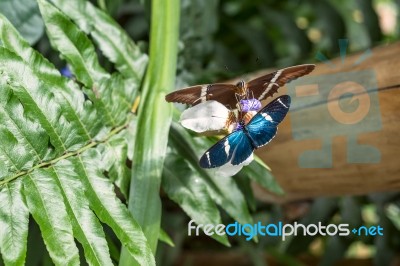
{"points": [[59, 142]]}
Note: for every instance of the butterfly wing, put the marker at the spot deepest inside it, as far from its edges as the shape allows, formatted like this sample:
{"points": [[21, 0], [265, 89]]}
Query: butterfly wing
{"points": [[223, 93], [239, 145], [234, 148], [220, 92], [242, 151], [259, 88], [263, 126], [265, 86]]}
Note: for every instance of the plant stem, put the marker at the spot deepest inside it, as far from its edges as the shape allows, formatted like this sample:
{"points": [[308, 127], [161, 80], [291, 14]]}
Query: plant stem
{"points": [[154, 120], [64, 156]]}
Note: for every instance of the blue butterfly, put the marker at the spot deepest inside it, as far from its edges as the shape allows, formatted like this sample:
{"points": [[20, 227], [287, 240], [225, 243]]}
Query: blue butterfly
{"points": [[240, 144]]}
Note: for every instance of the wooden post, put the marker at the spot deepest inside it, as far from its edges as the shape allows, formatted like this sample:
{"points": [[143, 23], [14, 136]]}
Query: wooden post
{"points": [[320, 120]]}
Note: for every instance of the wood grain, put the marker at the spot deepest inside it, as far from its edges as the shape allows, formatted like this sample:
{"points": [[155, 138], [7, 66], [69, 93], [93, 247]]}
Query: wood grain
{"points": [[342, 178]]}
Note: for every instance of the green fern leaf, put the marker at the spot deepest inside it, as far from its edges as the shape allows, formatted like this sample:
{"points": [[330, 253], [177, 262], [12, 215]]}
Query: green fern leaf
{"points": [[47, 207], [56, 145], [111, 39], [13, 224], [186, 188]]}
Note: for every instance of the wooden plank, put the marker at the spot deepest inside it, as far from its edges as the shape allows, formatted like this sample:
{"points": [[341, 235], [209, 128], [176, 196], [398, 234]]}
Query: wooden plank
{"points": [[310, 124]]}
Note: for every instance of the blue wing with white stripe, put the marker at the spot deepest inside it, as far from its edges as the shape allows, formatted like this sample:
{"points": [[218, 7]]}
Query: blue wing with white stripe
{"points": [[239, 145], [263, 126], [234, 148]]}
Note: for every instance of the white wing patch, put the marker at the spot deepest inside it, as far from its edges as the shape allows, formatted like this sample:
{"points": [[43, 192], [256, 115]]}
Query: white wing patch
{"points": [[208, 158], [203, 94], [267, 117], [271, 83], [279, 100], [227, 147]]}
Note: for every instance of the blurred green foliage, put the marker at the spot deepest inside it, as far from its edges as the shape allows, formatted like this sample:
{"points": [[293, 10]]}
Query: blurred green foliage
{"points": [[222, 39], [25, 14]]}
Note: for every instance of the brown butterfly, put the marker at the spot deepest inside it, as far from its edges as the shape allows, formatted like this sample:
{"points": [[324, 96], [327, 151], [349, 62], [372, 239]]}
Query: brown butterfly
{"points": [[227, 94]]}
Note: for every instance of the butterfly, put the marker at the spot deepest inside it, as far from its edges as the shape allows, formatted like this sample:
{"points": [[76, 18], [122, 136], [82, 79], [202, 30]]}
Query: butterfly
{"points": [[227, 94], [213, 118], [240, 144]]}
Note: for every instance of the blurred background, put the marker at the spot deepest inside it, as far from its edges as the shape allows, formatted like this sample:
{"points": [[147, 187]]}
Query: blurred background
{"points": [[221, 40]]}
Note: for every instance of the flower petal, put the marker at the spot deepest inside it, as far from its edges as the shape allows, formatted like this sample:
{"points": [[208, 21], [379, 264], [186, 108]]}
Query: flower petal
{"points": [[250, 105], [208, 116]]}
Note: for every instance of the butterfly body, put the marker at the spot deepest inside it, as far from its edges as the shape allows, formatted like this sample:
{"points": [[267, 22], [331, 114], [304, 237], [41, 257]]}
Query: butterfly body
{"points": [[227, 94], [240, 144]]}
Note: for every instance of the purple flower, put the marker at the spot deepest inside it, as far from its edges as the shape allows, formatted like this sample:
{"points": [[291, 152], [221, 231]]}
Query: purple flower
{"points": [[66, 72], [250, 105]]}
